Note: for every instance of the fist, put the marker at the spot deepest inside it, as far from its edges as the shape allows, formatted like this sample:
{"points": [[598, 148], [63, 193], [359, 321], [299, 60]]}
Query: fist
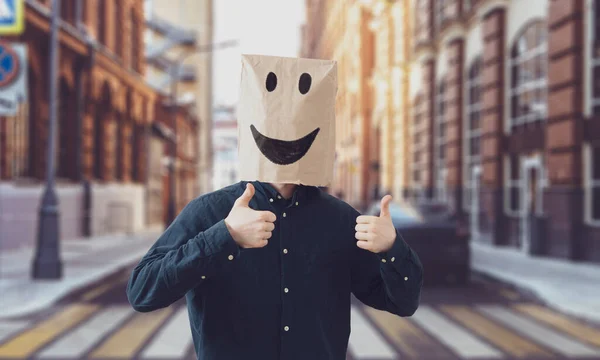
{"points": [[249, 228], [376, 233]]}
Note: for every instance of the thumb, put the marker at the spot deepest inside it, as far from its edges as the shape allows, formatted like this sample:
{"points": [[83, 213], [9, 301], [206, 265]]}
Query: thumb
{"points": [[244, 199], [385, 206]]}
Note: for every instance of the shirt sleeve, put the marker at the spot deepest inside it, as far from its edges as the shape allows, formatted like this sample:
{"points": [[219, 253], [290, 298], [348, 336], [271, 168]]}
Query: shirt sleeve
{"points": [[183, 257], [389, 281]]}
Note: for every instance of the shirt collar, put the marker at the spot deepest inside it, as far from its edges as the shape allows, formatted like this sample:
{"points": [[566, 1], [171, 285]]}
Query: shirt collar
{"points": [[300, 194]]}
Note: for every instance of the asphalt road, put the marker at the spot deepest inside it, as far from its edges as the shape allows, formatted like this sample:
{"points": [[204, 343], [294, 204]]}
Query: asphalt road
{"points": [[484, 320]]}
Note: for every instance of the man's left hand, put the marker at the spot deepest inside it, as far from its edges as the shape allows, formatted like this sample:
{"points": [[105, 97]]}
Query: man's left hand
{"points": [[376, 233]]}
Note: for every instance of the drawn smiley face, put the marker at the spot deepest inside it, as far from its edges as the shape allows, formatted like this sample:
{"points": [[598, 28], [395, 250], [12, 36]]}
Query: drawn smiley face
{"points": [[285, 152], [286, 119]]}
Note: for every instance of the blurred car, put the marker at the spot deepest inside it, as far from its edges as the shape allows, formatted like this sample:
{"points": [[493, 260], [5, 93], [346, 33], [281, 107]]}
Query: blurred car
{"points": [[439, 238]]}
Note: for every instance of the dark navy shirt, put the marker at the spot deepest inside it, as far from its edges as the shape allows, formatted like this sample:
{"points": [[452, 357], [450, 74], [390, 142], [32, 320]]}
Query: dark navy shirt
{"points": [[288, 300]]}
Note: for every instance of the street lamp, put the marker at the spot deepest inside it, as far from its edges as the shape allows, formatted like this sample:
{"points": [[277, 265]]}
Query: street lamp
{"points": [[171, 211], [47, 263]]}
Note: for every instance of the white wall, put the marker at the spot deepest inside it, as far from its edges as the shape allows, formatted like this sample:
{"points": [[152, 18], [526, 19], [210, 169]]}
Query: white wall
{"points": [[19, 213], [118, 208], [115, 208]]}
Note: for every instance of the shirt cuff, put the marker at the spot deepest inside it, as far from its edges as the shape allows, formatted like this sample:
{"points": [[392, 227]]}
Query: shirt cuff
{"points": [[220, 241], [397, 253]]}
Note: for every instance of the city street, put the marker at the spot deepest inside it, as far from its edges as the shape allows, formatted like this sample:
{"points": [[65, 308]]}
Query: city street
{"points": [[483, 320]]}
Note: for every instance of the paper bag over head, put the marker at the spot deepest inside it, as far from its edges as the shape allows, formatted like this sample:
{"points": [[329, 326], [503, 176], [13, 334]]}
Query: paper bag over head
{"points": [[286, 120]]}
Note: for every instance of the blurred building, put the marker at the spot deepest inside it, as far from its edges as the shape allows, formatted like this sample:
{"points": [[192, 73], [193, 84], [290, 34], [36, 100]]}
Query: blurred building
{"points": [[105, 116], [175, 28], [161, 153], [371, 41], [225, 139], [489, 106], [503, 124]]}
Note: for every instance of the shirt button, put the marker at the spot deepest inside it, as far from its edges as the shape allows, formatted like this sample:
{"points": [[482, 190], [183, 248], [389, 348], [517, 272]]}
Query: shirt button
{"points": [[286, 328], [383, 260], [286, 290], [393, 258], [230, 257], [279, 196], [296, 203], [405, 278], [285, 251], [284, 215], [271, 199], [203, 277]]}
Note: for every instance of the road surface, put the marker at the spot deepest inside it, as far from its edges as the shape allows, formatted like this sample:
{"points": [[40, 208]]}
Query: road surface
{"points": [[484, 320]]}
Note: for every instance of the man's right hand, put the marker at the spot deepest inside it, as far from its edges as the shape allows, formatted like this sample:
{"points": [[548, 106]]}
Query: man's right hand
{"points": [[248, 227]]}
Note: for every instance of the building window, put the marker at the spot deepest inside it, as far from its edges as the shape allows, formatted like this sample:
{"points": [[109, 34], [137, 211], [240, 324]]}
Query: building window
{"points": [[441, 12], [514, 184], [594, 35], [135, 42], [528, 91], [419, 147], [472, 126], [467, 5], [118, 13], [423, 23], [101, 29], [440, 141], [592, 184]]}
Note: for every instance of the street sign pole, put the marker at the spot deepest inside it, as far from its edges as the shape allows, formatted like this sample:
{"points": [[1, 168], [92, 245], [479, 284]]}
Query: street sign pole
{"points": [[47, 263]]}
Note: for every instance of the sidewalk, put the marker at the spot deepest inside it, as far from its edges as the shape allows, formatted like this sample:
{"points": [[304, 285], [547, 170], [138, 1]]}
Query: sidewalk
{"points": [[570, 287], [84, 262]]}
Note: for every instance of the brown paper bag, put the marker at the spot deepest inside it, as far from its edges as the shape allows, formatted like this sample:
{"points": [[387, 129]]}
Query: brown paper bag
{"points": [[286, 120]]}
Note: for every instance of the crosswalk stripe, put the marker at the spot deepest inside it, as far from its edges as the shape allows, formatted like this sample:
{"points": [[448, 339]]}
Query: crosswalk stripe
{"points": [[453, 336], [81, 339], [10, 328], [410, 339], [126, 341], [33, 339], [174, 338], [365, 342], [497, 335], [545, 336], [562, 322]]}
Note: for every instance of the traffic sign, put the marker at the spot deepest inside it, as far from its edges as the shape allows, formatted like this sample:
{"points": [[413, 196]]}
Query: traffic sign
{"points": [[10, 65], [12, 17], [13, 77]]}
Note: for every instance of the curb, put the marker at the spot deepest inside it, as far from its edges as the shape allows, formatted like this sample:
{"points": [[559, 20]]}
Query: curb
{"points": [[78, 286], [582, 314]]}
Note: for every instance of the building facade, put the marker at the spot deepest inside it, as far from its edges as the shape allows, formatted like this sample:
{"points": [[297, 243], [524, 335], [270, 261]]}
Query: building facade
{"points": [[339, 30], [489, 106], [104, 123], [175, 29], [503, 123], [225, 138]]}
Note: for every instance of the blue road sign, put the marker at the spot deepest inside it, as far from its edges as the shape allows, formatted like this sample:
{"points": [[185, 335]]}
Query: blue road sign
{"points": [[9, 64]]}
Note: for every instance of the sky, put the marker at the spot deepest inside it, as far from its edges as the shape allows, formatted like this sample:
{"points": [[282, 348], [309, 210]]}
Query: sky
{"points": [[265, 27]]}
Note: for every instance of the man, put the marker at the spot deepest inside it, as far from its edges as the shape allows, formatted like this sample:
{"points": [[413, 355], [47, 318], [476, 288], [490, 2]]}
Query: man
{"points": [[268, 265]]}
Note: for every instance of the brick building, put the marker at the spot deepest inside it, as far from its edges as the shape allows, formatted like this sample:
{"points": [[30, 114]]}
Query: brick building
{"points": [[105, 117], [488, 105], [371, 41], [503, 97]]}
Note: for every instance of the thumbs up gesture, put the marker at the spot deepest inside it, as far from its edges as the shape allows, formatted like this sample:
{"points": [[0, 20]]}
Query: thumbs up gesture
{"points": [[248, 227], [376, 233]]}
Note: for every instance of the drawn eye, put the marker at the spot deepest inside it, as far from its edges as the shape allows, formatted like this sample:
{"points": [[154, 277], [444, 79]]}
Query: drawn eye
{"points": [[271, 82], [304, 83]]}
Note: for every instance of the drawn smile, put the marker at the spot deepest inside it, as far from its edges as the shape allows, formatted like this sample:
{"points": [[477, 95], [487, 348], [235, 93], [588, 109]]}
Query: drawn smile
{"points": [[283, 152]]}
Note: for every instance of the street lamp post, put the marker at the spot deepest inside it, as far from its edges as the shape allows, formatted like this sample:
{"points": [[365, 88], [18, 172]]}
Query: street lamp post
{"points": [[47, 263], [171, 211]]}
